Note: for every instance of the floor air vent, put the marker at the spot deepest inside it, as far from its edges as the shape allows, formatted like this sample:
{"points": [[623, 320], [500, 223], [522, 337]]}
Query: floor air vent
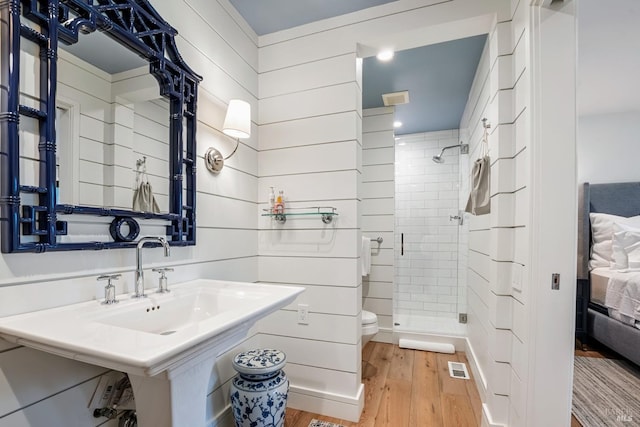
{"points": [[458, 370]]}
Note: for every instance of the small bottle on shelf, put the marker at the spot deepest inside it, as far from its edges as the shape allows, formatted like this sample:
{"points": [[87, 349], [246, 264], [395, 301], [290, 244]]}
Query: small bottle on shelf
{"points": [[279, 207], [272, 200]]}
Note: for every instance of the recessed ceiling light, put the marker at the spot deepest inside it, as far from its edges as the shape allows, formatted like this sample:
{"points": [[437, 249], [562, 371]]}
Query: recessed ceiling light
{"points": [[385, 55], [397, 124]]}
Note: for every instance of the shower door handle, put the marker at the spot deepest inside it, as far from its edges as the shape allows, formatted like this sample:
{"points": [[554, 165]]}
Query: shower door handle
{"points": [[401, 244]]}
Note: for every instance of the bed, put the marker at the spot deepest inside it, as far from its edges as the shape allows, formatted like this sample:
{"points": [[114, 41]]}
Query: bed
{"points": [[595, 273]]}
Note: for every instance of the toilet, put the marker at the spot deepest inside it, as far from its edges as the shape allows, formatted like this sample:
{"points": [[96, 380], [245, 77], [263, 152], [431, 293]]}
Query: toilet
{"points": [[369, 326]]}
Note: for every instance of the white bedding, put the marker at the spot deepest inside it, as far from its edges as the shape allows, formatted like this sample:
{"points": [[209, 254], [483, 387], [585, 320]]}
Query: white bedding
{"points": [[623, 297], [599, 282]]}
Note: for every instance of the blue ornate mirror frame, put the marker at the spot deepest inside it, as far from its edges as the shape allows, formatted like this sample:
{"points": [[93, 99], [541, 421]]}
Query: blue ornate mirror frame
{"points": [[136, 25]]}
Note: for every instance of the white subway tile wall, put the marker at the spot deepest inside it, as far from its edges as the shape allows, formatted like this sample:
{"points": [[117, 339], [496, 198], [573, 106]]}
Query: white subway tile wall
{"points": [[427, 195]]}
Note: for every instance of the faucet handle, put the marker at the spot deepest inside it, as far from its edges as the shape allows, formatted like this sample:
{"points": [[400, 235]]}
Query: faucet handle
{"points": [[162, 281], [109, 289], [109, 277]]}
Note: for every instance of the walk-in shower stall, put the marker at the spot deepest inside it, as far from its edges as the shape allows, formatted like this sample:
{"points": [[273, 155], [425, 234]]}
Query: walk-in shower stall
{"points": [[428, 185], [429, 301]]}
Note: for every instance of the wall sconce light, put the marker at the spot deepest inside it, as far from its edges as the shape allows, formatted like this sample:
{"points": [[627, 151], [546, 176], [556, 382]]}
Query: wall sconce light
{"points": [[237, 124]]}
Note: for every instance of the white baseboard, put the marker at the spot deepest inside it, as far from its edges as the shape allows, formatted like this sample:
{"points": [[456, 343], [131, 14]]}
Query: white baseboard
{"points": [[481, 385], [325, 403], [384, 335], [487, 421], [309, 400], [478, 374], [223, 418]]}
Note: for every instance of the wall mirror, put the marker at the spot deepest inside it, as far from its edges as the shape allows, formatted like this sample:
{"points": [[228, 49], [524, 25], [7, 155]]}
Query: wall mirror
{"points": [[98, 123]]}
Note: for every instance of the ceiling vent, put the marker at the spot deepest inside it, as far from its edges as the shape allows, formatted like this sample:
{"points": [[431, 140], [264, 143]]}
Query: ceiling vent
{"points": [[395, 98]]}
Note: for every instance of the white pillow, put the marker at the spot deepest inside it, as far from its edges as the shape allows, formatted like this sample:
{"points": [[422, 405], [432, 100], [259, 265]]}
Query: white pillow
{"points": [[602, 234], [633, 254], [625, 247]]}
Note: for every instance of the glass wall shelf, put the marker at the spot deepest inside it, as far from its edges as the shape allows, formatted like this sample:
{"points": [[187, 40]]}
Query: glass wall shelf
{"points": [[326, 213]]}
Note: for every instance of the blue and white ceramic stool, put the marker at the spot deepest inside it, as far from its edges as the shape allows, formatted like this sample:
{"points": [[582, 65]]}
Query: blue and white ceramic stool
{"points": [[259, 391]]}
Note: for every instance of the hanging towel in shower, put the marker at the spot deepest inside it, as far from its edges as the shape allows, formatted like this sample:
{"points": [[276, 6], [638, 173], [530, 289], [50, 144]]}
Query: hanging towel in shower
{"points": [[479, 202], [366, 256]]}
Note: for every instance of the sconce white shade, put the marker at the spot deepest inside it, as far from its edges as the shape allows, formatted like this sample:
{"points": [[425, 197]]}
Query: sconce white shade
{"points": [[237, 123]]}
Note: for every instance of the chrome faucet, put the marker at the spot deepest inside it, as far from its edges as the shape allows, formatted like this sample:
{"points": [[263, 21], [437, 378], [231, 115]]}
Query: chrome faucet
{"points": [[139, 276]]}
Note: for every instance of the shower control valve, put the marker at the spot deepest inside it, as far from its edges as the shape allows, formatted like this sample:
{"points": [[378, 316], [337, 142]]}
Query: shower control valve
{"points": [[458, 218]]}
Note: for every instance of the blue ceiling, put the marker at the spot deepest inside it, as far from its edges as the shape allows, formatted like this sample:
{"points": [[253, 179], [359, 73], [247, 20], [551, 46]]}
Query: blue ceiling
{"points": [[438, 78], [269, 16]]}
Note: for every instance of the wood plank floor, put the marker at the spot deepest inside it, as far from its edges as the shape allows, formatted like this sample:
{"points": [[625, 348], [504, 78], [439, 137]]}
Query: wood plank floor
{"points": [[408, 388]]}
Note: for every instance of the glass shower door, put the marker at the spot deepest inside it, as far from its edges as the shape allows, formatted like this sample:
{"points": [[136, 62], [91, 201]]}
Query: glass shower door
{"points": [[427, 294]]}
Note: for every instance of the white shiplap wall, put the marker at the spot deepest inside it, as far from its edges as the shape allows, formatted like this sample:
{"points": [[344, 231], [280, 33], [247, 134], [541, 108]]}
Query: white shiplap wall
{"points": [[310, 125], [38, 389], [498, 242], [104, 134], [151, 140], [310, 147], [378, 212], [309, 130]]}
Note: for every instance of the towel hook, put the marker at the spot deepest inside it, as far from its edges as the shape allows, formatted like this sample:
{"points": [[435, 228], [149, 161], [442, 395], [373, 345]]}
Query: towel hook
{"points": [[141, 174], [141, 162], [485, 136]]}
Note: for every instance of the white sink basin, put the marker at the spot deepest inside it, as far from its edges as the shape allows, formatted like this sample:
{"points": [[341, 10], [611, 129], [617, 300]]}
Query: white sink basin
{"points": [[186, 306], [141, 335], [178, 333]]}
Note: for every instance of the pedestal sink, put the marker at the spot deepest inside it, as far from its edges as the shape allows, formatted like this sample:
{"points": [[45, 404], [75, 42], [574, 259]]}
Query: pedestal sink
{"points": [[166, 343]]}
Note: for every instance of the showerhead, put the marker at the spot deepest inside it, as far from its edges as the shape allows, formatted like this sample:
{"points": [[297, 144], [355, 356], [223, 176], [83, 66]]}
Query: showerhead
{"points": [[464, 149], [439, 158]]}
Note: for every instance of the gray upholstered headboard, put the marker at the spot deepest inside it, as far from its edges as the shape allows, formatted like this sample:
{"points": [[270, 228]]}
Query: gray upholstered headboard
{"points": [[622, 199]]}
